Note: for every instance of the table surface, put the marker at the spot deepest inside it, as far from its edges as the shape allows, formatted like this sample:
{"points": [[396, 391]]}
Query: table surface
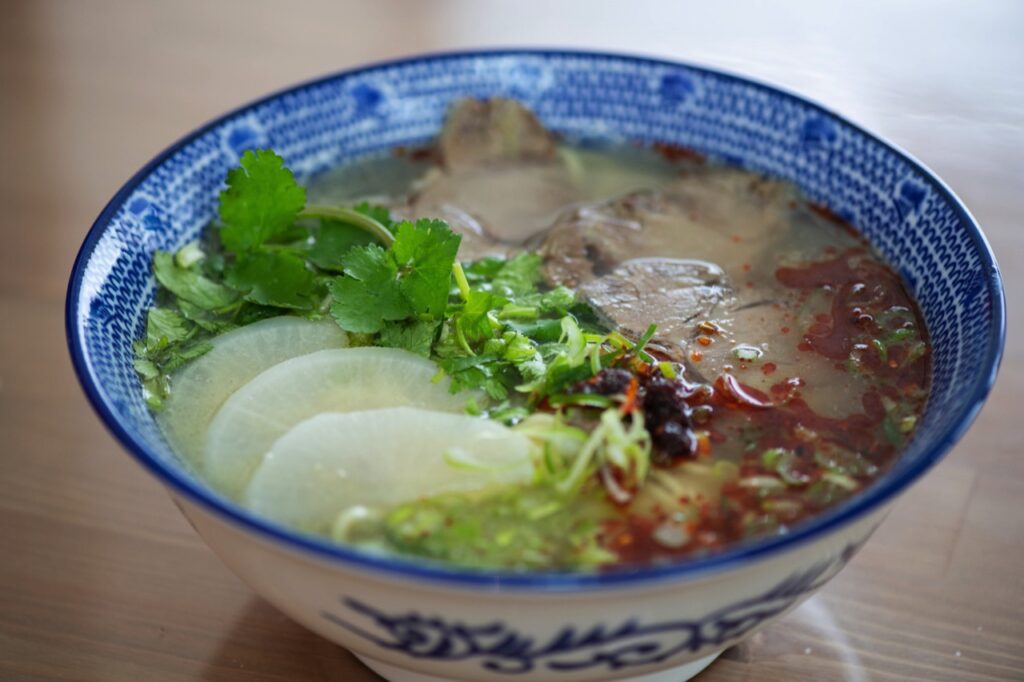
{"points": [[100, 576]]}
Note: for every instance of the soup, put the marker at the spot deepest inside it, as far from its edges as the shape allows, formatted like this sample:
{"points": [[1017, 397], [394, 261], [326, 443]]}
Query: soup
{"points": [[505, 350]]}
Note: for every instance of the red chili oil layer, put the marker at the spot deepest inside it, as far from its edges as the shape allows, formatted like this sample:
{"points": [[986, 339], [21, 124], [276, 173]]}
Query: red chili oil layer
{"points": [[811, 461]]}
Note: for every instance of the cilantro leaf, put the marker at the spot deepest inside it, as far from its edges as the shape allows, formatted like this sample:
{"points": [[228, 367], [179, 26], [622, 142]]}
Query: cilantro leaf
{"points": [[262, 200], [189, 285], [425, 252], [379, 213], [205, 319], [277, 278], [332, 241], [484, 270], [473, 319], [369, 294], [544, 330], [165, 326], [170, 341], [558, 301], [180, 356], [518, 276], [485, 372], [416, 337]]}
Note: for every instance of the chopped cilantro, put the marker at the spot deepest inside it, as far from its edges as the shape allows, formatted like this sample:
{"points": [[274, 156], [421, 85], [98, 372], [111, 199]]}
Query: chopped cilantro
{"points": [[165, 326], [519, 275], [188, 284], [473, 318]]}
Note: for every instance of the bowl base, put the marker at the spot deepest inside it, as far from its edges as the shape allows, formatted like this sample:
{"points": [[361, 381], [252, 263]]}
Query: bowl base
{"points": [[686, 671]]}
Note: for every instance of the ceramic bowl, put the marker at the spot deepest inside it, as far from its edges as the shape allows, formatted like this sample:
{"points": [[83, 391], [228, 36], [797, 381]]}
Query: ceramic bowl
{"points": [[411, 620]]}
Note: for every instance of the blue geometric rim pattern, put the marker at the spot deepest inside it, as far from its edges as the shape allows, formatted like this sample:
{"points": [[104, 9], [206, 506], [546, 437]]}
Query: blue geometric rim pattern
{"points": [[901, 207]]}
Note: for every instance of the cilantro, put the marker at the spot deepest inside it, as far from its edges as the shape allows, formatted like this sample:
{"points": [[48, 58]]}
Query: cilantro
{"points": [[171, 340], [415, 337], [518, 276], [274, 278], [262, 200], [332, 241], [479, 372], [205, 319], [545, 330], [189, 285], [369, 294], [425, 253], [412, 279], [186, 353], [164, 327], [381, 214], [483, 271], [558, 301], [473, 319]]}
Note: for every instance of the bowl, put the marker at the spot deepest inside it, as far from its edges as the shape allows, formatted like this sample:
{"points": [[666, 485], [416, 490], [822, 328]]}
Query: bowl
{"points": [[417, 621]]}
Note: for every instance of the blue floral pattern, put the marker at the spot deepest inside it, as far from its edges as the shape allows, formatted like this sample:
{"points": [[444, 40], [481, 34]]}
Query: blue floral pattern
{"points": [[502, 649]]}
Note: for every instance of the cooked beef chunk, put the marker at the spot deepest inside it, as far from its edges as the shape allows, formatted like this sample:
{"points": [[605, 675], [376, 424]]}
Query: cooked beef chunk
{"points": [[728, 218], [510, 202], [481, 132], [683, 292], [500, 170]]}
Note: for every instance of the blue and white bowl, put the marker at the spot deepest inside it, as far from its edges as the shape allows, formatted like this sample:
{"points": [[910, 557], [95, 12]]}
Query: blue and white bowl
{"points": [[415, 621]]}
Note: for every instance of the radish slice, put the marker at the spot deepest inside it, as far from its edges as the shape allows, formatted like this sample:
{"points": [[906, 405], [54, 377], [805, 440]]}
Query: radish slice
{"points": [[199, 388], [339, 380], [380, 458]]}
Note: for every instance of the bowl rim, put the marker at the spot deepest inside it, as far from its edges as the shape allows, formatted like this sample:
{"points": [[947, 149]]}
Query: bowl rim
{"points": [[439, 574]]}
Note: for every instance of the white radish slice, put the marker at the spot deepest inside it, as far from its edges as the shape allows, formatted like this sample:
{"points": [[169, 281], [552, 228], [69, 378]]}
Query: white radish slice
{"points": [[340, 380], [384, 457], [200, 387]]}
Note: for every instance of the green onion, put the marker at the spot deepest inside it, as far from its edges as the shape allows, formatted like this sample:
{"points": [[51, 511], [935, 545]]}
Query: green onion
{"points": [[512, 311], [582, 399], [883, 351], [761, 483], [899, 335], [891, 432], [639, 346], [840, 480]]}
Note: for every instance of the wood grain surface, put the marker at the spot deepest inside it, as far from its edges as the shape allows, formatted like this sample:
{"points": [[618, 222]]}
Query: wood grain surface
{"points": [[102, 579]]}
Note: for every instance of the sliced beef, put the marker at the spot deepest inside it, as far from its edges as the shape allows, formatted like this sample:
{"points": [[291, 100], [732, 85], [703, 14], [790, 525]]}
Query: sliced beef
{"points": [[677, 293], [715, 214], [483, 132], [499, 167], [511, 202]]}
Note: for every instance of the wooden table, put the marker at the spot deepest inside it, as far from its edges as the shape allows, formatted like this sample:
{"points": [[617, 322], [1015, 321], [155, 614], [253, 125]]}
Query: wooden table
{"points": [[102, 579]]}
